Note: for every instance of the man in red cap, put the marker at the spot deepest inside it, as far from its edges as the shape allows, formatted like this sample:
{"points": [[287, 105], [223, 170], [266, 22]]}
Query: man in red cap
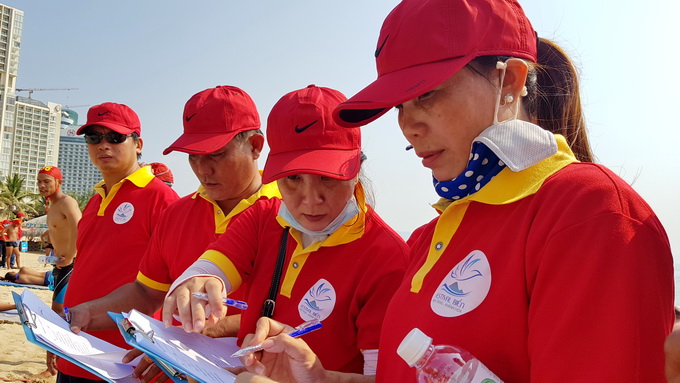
{"points": [[223, 139], [63, 215], [117, 222]]}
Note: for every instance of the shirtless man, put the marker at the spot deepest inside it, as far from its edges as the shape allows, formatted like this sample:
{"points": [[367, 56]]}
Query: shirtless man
{"points": [[63, 215], [12, 242]]}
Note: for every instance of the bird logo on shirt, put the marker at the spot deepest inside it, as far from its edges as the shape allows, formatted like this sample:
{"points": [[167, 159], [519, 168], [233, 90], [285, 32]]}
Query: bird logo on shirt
{"points": [[123, 213]]}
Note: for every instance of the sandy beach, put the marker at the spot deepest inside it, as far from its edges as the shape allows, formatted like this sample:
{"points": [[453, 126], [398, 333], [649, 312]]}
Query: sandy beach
{"points": [[21, 359]]}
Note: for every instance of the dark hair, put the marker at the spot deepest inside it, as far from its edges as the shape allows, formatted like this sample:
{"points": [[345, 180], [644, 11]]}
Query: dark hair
{"points": [[135, 138], [553, 101]]}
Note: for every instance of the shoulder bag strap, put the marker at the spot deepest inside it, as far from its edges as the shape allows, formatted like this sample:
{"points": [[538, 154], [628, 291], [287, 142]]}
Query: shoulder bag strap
{"points": [[268, 307]]}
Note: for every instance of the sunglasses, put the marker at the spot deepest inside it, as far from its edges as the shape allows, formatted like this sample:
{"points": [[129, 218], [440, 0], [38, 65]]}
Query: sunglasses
{"points": [[94, 138]]}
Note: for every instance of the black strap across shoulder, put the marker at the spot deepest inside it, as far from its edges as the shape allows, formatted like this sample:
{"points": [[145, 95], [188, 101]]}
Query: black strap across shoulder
{"points": [[268, 307]]}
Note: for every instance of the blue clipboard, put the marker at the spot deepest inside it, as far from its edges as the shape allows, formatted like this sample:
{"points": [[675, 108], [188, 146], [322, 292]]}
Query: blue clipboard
{"points": [[128, 331], [28, 323]]}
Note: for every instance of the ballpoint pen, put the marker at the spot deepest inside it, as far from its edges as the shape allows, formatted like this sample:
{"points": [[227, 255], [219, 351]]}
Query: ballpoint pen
{"points": [[67, 315], [227, 301], [300, 330]]}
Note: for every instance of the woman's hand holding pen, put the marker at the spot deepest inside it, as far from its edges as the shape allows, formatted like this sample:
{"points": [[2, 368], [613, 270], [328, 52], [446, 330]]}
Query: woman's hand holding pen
{"points": [[283, 359], [192, 310]]}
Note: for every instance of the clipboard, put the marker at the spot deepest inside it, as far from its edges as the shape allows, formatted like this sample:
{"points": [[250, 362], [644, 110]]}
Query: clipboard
{"points": [[129, 331], [29, 318], [180, 355]]}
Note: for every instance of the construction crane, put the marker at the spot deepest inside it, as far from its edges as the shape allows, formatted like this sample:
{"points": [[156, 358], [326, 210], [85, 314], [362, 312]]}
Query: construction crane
{"points": [[31, 90], [75, 106]]}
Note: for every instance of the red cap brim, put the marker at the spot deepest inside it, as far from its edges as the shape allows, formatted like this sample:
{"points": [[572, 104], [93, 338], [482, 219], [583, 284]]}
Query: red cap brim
{"points": [[200, 143], [395, 88], [339, 164], [107, 124]]}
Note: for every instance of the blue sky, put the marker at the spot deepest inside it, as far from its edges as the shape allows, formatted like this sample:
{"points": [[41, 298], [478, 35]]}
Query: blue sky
{"points": [[154, 55]]}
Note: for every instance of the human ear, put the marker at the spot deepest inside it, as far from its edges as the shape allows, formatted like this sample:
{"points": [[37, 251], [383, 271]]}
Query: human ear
{"points": [[140, 144], [256, 143], [515, 78]]}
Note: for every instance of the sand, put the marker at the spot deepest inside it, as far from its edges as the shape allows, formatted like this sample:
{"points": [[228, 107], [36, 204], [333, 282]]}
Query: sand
{"points": [[21, 359]]}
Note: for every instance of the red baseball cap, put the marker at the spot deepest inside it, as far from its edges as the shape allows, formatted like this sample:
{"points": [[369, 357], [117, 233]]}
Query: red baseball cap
{"points": [[117, 117], [52, 171], [21, 214], [5, 222], [162, 172], [303, 138], [424, 42], [213, 117], [16, 222]]}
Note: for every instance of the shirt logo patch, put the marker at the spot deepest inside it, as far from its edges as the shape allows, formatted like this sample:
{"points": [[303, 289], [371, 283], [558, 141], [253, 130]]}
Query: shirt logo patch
{"points": [[464, 288], [123, 213], [319, 301]]}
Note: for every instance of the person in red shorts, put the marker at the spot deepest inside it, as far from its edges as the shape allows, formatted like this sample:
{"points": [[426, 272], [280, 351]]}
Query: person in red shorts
{"points": [[545, 266], [339, 260], [223, 139], [117, 222]]}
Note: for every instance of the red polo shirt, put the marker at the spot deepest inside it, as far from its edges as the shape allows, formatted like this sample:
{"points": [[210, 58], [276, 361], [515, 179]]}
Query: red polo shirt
{"points": [[185, 230], [112, 237], [345, 281], [558, 273]]}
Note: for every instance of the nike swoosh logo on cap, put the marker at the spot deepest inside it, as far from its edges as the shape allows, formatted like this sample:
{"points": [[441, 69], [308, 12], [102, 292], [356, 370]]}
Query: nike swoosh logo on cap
{"points": [[300, 130], [377, 51], [103, 113], [189, 117]]}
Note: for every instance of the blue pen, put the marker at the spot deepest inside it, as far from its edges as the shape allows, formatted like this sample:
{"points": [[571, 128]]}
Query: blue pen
{"points": [[67, 315], [300, 330], [228, 302]]}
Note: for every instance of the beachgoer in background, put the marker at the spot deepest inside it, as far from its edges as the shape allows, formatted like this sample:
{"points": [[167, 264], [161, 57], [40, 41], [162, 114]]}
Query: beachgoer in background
{"points": [[28, 276], [63, 215], [527, 233], [12, 243], [116, 225], [45, 242], [342, 261], [223, 150], [3, 237], [163, 172]]}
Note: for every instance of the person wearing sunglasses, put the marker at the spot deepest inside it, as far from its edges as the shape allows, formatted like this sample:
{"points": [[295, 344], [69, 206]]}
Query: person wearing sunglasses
{"points": [[223, 141], [117, 222]]}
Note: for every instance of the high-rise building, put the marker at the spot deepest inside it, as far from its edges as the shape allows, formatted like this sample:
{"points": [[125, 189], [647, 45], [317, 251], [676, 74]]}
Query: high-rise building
{"points": [[11, 26], [80, 175], [35, 139], [29, 129]]}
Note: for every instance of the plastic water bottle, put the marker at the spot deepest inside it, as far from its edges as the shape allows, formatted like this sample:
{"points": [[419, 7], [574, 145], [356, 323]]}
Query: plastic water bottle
{"points": [[48, 259], [444, 363]]}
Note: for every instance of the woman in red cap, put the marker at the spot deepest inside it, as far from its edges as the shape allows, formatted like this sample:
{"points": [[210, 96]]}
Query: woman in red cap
{"points": [[336, 259], [544, 265]]}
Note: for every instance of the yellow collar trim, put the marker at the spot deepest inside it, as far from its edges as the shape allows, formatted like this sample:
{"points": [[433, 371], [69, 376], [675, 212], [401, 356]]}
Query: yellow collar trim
{"points": [[351, 231], [222, 220], [507, 187], [139, 178]]}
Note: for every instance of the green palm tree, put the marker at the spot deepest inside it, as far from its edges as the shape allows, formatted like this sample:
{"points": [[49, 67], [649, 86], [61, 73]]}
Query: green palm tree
{"points": [[81, 198], [14, 198]]}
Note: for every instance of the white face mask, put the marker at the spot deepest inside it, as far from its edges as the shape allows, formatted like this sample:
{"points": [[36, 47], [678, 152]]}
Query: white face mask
{"points": [[349, 211], [518, 143]]}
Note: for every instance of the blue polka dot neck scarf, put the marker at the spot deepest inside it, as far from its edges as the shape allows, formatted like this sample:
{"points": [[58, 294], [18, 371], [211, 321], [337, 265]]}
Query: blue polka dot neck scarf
{"points": [[482, 167]]}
